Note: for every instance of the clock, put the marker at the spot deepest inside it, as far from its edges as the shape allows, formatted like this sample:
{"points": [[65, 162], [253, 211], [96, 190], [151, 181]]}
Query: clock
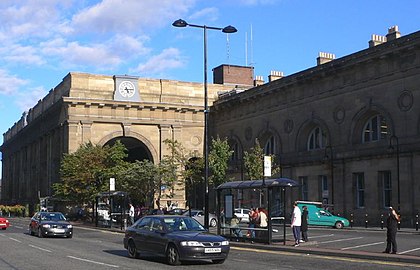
{"points": [[126, 89]]}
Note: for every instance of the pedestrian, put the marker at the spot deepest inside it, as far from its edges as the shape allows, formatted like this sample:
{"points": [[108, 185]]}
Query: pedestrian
{"points": [[234, 224], [262, 217], [131, 214], [296, 223], [391, 231], [304, 224], [253, 219]]}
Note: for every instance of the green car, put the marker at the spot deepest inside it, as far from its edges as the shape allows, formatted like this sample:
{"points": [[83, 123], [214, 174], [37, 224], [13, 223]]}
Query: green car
{"points": [[318, 216]]}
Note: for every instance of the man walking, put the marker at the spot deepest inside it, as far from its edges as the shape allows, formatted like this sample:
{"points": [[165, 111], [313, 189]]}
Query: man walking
{"points": [[391, 231], [131, 214], [296, 223]]}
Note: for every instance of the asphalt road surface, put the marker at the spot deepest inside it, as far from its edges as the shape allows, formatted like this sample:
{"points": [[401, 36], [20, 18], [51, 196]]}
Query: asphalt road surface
{"points": [[96, 249]]}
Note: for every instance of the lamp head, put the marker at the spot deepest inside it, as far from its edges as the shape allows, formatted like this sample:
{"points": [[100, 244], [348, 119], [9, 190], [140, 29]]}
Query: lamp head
{"points": [[229, 29], [180, 23]]}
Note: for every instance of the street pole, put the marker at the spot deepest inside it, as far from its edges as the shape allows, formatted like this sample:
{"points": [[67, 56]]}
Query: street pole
{"points": [[228, 29], [331, 158], [391, 146]]}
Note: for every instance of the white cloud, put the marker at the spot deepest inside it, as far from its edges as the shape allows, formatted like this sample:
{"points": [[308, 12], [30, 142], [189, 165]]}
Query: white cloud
{"points": [[30, 98], [211, 14], [168, 59], [128, 45], [10, 84], [18, 54]]}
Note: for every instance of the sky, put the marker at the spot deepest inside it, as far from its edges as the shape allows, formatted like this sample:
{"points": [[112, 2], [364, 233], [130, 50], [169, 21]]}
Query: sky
{"points": [[41, 41]]}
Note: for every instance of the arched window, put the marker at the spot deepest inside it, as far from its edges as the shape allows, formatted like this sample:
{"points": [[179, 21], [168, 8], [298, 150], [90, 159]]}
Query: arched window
{"points": [[317, 139], [235, 151], [375, 129], [269, 146]]}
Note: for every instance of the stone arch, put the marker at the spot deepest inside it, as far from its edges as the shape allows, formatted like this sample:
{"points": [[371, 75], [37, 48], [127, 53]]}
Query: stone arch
{"points": [[143, 141], [266, 134], [306, 128], [362, 116]]}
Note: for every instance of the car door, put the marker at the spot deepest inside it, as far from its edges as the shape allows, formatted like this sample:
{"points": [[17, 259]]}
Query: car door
{"points": [[34, 223], [157, 237], [142, 231]]}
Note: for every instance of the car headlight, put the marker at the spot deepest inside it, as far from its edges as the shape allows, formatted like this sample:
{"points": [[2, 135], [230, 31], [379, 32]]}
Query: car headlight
{"points": [[46, 225], [69, 226], [225, 243], [191, 244]]}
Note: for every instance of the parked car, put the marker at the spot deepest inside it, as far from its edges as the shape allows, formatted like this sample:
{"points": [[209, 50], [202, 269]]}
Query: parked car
{"points": [[176, 237], [177, 211], [242, 214], [319, 216], [199, 216], [4, 223], [50, 224]]}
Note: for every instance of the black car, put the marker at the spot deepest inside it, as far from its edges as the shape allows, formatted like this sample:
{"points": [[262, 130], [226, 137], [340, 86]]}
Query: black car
{"points": [[50, 224], [177, 238]]}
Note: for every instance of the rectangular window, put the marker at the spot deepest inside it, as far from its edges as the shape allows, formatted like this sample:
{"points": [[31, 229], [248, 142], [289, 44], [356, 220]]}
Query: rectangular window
{"points": [[304, 187], [323, 182], [385, 178], [359, 178]]}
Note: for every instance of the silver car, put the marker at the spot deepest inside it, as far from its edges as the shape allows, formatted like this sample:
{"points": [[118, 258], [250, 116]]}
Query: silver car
{"points": [[199, 216]]}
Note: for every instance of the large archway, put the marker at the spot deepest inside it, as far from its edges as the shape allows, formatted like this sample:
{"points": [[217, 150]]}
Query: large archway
{"points": [[137, 150]]}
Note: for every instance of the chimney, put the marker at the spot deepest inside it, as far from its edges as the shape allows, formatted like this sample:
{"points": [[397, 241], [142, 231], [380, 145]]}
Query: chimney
{"points": [[376, 40], [259, 80], [275, 75], [393, 33], [324, 57]]}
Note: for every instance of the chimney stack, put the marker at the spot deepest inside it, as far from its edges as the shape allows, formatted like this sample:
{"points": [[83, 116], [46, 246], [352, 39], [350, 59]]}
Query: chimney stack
{"points": [[275, 75], [259, 80], [376, 40], [393, 33], [324, 57]]}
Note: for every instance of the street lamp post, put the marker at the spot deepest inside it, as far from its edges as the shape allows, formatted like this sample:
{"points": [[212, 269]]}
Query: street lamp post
{"points": [[391, 146], [331, 158], [228, 29]]}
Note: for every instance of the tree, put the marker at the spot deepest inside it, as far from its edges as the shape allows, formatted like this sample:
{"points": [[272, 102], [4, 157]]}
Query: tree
{"points": [[84, 173], [253, 162], [218, 160]]}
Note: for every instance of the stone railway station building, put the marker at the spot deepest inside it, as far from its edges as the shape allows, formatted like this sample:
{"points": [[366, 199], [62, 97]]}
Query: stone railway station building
{"points": [[348, 129]]}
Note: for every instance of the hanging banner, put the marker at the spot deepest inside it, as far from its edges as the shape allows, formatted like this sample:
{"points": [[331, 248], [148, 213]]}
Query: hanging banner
{"points": [[267, 166]]}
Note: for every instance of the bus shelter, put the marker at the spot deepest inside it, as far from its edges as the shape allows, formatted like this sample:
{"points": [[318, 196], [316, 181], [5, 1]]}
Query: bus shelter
{"points": [[268, 196], [111, 209]]}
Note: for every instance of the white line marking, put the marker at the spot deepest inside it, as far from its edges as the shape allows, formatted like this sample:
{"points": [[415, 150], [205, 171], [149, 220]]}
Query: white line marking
{"points": [[320, 236], [366, 245], [19, 227], [2, 235], [40, 248], [85, 260], [407, 251], [15, 240], [340, 240]]}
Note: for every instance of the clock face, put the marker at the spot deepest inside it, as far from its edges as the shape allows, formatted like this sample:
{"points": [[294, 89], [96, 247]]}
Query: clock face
{"points": [[126, 89]]}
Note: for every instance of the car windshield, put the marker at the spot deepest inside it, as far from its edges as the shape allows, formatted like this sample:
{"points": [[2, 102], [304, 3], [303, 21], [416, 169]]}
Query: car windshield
{"points": [[182, 224], [52, 217]]}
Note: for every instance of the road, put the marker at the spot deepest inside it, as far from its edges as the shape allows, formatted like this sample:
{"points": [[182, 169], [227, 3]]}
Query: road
{"points": [[97, 249]]}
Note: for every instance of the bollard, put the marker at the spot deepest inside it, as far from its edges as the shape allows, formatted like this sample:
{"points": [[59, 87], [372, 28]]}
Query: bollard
{"points": [[382, 221], [366, 221], [417, 222], [351, 220]]}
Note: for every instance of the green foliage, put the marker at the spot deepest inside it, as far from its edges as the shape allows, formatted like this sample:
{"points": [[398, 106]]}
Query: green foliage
{"points": [[218, 160], [14, 210], [253, 162], [86, 172]]}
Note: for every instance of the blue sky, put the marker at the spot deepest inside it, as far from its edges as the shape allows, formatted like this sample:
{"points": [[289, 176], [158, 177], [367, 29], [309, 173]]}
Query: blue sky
{"points": [[41, 41]]}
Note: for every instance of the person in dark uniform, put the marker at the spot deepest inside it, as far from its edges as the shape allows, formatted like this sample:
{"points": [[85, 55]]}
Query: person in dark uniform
{"points": [[304, 226], [391, 232]]}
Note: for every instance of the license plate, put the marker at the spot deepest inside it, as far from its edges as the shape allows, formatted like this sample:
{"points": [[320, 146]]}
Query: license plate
{"points": [[59, 230], [212, 250]]}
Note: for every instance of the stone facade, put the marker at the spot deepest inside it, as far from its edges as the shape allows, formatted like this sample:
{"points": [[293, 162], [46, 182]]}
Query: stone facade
{"points": [[82, 109], [347, 129]]}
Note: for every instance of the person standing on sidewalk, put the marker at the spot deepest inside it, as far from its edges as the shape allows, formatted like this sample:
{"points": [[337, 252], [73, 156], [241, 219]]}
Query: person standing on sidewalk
{"points": [[391, 231], [296, 223], [304, 226], [131, 214]]}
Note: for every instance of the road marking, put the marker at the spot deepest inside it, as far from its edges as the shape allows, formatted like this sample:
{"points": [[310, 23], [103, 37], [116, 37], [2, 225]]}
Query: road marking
{"points": [[40, 248], [98, 230], [95, 262], [19, 227], [325, 257], [2, 235], [15, 240], [321, 236], [366, 245], [407, 251], [340, 240]]}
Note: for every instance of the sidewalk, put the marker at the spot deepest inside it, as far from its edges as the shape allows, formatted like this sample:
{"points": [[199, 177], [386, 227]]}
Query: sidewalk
{"points": [[311, 249]]}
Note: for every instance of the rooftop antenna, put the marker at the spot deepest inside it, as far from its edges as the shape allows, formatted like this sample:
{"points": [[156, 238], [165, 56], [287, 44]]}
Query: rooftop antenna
{"points": [[252, 50], [246, 48]]}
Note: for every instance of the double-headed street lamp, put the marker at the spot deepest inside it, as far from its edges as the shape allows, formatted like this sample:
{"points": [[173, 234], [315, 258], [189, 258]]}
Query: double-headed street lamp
{"points": [[228, 29], [393, 139]]}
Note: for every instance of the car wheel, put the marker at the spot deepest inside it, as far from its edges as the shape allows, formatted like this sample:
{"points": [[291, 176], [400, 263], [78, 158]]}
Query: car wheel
{"points": [[70, 236], [220, 261], [172, 255], [132, 250], [40, 235], [339, 225], [213, 222], [3, 228]]}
